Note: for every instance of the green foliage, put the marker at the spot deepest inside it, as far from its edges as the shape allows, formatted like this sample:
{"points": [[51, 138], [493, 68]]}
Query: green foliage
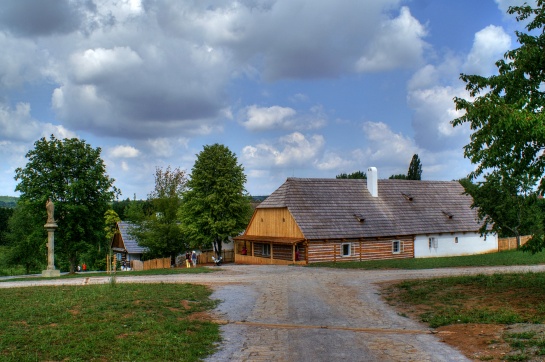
{"points": [[506, 116], [415, 169], [73, 175], [27, 240], [398, 177], [504, 211], [5, 214], [353, 175], [160, 231], [128, 322], [216, 205]]}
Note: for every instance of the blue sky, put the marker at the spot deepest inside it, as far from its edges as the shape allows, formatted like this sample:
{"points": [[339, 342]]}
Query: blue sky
{"points": [[293, 87]]}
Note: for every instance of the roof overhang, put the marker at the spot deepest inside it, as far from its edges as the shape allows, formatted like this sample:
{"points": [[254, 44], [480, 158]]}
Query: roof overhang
{"points": [[269, 239]]}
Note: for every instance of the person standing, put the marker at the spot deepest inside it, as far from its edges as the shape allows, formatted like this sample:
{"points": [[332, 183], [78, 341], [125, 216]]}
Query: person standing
{"points": [[194, 258], [187, 259]]}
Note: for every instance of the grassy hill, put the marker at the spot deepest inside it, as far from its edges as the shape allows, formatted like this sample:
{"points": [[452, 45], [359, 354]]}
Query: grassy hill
{"points": [[8, 201]]}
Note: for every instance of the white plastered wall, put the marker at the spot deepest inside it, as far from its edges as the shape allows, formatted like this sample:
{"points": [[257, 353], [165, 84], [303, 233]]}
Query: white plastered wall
{"points": [[468, 244]]}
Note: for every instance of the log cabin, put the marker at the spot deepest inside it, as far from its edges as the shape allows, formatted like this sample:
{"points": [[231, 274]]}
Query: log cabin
{"points": [[335, 220]]}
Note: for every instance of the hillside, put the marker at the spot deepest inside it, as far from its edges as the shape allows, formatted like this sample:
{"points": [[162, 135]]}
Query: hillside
{"points": [[8, 201]]}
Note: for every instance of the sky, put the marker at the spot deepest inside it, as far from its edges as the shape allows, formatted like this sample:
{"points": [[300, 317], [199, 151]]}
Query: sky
{"points": [[295, 88]]}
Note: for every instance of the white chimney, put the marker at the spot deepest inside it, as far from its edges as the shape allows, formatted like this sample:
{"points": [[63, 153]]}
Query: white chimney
{"points": [[372, 181]]}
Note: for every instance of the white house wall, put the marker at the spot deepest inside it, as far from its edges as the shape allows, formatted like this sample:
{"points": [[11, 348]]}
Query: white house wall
{"points": [[446, 245]]}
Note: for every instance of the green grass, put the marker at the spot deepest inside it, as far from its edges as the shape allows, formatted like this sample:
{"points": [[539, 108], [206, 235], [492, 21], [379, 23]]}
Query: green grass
{"points": [[512, 257], [498, 298], [111, 322], [119, 274]]}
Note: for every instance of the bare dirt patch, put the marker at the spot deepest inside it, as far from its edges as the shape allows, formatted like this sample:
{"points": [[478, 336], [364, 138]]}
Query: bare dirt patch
{"points": [[483, 342]]}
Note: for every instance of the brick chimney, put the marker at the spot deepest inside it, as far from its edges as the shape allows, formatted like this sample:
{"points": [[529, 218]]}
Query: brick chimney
{"points": [[372, 181]]}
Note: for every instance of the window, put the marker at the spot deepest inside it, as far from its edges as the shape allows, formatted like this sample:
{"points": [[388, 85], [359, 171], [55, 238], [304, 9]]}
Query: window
{"points": [[346, 249], [266, 250], [397, 247], [456, 240], [432, 243]]}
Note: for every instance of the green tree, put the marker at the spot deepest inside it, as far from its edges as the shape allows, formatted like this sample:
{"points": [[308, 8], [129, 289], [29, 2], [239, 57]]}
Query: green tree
{"points": [[216, 206], [503, 211], [160, 231], [26, 238], [5, 214], [400, 176], [506, 115], [415, 169], [353, 175], [73, 175]]}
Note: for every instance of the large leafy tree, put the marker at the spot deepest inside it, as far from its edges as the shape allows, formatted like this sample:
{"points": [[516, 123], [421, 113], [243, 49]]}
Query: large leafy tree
{"points": [[159, 231], [216, 205], [26, 238], [415, 169], [73, 175], [506, 115]]}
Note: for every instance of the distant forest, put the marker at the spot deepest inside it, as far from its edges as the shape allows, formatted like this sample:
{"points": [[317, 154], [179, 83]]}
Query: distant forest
{"points": [[8, 201]]}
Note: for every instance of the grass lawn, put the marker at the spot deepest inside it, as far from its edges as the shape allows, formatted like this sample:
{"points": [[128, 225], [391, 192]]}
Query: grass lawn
{"points": [[119, 274], [499, 299], [512, 257], [111, 322]]}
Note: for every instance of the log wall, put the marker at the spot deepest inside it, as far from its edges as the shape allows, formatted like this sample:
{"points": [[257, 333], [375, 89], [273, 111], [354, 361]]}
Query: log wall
{"points": [[331, 250]]}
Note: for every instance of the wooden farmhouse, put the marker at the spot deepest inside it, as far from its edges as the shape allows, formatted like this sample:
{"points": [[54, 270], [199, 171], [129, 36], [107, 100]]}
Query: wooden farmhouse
{"points": [[125, 246], [318, 220]]}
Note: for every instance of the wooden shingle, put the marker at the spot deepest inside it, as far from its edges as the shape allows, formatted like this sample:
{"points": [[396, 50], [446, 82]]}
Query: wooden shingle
{"points": [[326, 208]]}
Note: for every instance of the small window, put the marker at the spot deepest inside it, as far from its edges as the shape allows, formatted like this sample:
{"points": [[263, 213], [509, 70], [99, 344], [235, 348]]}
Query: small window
{"points": [[266, 250], [396, 247], [346, 249], [456, 240], [432, 243]]}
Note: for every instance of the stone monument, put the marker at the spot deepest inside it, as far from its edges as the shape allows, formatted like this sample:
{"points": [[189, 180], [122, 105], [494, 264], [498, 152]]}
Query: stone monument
{"points": [[50, 226]]}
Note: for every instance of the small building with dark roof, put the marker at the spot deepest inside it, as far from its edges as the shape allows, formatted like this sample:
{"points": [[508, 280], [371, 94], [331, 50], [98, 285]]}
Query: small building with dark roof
{"points": [[316, 220], [125, 246]]}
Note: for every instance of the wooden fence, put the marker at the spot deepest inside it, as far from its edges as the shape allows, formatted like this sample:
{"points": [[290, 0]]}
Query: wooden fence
{"points": [[228, 256], [163, 263], [511, 243]]}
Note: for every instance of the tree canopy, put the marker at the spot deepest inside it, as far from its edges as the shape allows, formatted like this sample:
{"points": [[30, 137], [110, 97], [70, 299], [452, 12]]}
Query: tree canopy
{"points": [[353, 175], [415, 169], [216, 205], [160, 231], [506, 116], [73, 175]]}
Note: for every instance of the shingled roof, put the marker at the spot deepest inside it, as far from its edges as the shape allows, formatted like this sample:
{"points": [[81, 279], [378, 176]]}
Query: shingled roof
{"points": [[131, 245], [344, 208]]}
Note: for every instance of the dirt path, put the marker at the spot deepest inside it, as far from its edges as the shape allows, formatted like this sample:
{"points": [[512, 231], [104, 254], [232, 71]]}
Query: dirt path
{"points": [[274, 313]]}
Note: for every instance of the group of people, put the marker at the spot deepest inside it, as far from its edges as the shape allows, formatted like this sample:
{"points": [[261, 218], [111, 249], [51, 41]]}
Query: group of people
{"points": [[84, 267], [191, 258]]}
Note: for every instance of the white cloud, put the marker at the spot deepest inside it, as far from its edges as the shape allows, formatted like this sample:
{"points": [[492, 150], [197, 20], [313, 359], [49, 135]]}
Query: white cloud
{"points": [[489, 45], [266, 118], [290, 150], [399, 44], [124, 151]]}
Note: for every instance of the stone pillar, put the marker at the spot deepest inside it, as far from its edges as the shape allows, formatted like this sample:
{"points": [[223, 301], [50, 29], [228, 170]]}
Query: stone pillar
{"points": [[50, 226]]}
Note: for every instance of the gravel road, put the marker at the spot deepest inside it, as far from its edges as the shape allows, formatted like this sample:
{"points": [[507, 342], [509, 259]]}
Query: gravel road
{"points": [[283, 313]]}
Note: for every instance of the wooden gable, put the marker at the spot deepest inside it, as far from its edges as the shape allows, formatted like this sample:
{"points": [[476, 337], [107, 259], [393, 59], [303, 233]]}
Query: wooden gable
{"points": [[273, 222]]}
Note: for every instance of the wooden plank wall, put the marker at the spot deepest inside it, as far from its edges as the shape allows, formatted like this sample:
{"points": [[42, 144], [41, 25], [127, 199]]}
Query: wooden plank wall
{"points": [[253, 260], [163, 263], [360, 250], [511, 243], [274, 222]]}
